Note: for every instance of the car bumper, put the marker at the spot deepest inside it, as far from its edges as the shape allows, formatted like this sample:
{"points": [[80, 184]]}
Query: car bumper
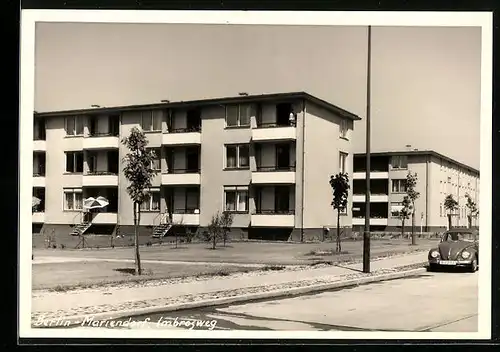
{"points": [[450, 263]]}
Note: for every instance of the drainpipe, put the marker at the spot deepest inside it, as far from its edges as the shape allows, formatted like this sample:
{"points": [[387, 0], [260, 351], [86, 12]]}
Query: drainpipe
{"points": [[303, 170], [427, 164]]}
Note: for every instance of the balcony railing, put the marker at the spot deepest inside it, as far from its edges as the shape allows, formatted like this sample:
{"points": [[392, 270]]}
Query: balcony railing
{"points": [[101, 173], [186, 211], [275, 168], [183, 171], [185, 129], [103, 134], [274, 124], [274, 212]]}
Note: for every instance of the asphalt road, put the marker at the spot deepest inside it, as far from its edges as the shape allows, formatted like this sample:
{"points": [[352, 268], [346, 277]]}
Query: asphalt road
{"points": [[443, 301]]}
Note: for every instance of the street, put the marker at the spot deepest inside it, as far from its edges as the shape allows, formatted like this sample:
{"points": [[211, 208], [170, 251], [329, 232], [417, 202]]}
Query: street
{"points": [[443, 301]]}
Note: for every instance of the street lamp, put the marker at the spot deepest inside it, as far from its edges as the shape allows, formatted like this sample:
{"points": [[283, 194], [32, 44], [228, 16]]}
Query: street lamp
{"points": [[366, 234]]}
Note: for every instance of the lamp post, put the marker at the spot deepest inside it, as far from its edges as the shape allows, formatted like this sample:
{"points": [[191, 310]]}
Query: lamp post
{"points": [[366, 235]]}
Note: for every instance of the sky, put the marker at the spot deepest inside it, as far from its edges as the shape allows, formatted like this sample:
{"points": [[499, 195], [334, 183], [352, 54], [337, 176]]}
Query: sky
{"points": [[425, 80]]}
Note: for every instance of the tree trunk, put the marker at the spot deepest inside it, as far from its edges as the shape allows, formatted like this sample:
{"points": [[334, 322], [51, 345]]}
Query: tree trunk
{"points": [[338, 232], [137, 220], [224, 238], [449, 221], [469, 220], [402, 228], [413, 226], [214, 240]]}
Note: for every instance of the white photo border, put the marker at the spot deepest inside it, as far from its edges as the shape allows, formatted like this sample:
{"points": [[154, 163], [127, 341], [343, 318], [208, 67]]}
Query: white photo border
{"points": [[289, 18]]}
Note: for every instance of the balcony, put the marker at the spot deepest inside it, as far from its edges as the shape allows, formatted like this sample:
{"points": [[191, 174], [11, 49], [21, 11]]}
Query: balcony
{"points": [[374, 198], [38, 217], [373, 221], [105, 218], [38, 180], [374, 175], [101, 141], [189, 218], [39, 146], [181, 177], [100, 178], [274, 132], [273, 218], [274, 175], [182, 136]]}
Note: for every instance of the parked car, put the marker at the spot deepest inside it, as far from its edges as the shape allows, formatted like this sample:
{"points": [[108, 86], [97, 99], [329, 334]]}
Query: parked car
{"points": [[457, 248]]}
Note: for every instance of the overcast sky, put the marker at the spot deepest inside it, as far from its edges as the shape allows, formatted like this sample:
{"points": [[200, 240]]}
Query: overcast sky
{"points": [[425, 80]]}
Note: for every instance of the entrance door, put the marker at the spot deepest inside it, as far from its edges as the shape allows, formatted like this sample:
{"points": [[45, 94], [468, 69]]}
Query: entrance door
{"points": [[113, 161], [283, 156], [114, 125], [193, 120], [283, 114], [282, 199], [92, 161], [93, 125], [192, 160]]}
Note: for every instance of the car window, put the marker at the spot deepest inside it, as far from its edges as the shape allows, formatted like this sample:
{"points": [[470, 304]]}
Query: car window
{"points": [[459, 236]]}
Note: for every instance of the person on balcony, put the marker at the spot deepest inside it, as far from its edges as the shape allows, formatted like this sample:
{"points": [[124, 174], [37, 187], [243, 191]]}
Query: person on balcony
{"points": [[291, 119]]}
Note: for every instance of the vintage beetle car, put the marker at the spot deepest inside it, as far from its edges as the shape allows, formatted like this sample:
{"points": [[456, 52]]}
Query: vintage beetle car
{"points": [[457, 248]]}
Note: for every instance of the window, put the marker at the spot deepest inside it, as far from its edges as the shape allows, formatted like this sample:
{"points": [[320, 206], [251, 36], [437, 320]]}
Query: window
{"points": [[151, 120], [343, 128], [449, 179], [73, 199], [343, 162], [399, 162], [237, 156], [236, 198], [238, 115], [396, 207], [156, 163], [74, 162], [74, 125], [399, 186], [152, 202]]}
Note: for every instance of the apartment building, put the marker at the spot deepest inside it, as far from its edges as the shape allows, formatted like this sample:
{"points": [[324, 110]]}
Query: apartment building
{"points": [[438, 176], [267, 159]]}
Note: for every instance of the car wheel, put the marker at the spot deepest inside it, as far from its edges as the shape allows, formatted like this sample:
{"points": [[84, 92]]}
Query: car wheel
{"points": [[431, 267], [473, 266]]}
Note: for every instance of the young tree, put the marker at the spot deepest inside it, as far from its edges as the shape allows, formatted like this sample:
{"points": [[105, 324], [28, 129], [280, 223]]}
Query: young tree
{"points": [[404, 213], [450, 204], [473, 210], [340, 187], [139, 173], [413, 195], [218, 228], [226, 221]]}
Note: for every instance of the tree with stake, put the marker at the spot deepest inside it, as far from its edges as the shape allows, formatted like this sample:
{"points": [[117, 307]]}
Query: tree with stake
{"points": [[139, 172], [226, 221], [473, 210], [450, 204], [411, 183], [214, 231], [340, 187], [404, 213]]}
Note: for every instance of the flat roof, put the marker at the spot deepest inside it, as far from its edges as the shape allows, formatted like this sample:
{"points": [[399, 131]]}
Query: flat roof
{"points": [[420, 152], [207, 102]]}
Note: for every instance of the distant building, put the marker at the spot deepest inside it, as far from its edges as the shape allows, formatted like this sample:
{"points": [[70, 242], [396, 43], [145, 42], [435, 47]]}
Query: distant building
{"points": [[437, 175], [245, 155]]}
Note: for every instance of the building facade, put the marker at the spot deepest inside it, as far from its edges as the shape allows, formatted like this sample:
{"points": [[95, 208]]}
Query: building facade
{"points": [[267, 159], [437, 177]]}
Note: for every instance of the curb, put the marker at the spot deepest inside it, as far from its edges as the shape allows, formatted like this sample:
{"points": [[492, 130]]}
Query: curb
{"points": [[78, 320]]}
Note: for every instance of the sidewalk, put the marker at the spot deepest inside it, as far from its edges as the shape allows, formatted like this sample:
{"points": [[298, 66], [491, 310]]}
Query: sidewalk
{"points": [[103, 299]]}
